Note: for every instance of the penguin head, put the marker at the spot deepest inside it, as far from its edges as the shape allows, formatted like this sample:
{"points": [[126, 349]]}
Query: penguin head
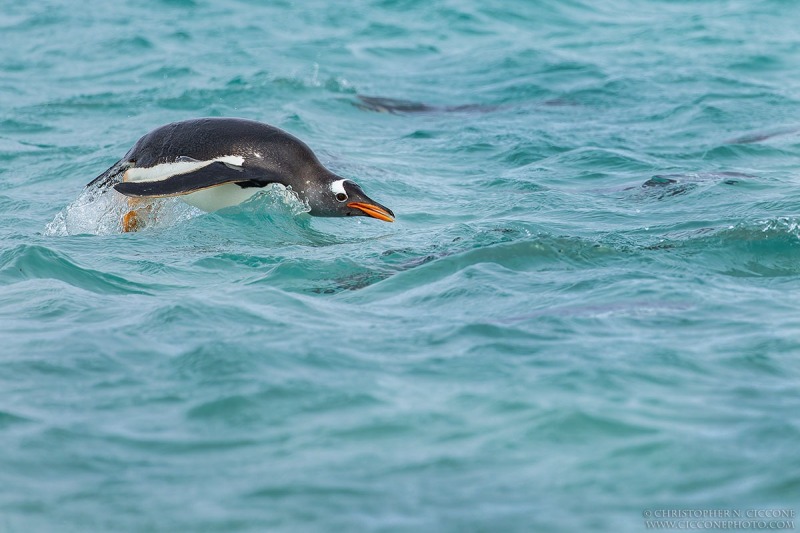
{"points": [[333, 196], [289, 161]]}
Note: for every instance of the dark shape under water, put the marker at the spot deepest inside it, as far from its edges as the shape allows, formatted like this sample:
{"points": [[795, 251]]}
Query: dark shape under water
{"points": [[751, 138], [729, 178], [662, 186], [677, 184], [397, 106], [659, 181]]}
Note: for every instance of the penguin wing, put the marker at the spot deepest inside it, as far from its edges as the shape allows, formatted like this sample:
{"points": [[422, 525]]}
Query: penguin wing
{"points": [[114, 173], [175, 181]]}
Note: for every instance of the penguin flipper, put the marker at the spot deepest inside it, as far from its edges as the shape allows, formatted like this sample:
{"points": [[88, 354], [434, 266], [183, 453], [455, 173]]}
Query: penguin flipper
{"points": [[113, 174], [207, 176]]}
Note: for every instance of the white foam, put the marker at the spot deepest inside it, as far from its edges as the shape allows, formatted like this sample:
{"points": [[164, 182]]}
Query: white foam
{"points": [[100, 213]]}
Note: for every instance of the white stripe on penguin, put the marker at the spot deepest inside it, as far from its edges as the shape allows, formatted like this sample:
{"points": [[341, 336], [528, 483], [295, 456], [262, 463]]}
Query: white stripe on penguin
{"points": [[167, 170]]}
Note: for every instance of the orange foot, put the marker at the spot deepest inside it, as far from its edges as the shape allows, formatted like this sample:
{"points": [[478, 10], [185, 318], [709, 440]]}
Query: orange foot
{"points": [[130, 222]]}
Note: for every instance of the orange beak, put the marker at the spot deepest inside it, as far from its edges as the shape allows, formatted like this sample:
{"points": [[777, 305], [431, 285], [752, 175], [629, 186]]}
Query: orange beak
{"points": [[375, 211]]}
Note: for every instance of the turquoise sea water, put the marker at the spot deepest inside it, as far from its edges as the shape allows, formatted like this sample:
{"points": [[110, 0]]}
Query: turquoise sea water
{"points": [[586, 310]]}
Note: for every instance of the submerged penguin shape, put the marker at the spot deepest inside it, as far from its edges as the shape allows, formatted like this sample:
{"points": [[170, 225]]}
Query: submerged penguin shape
{"points": [[213, 163]]}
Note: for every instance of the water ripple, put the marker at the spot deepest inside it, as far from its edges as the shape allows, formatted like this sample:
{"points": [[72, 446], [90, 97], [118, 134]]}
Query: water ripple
{"points": [[26, 262]]}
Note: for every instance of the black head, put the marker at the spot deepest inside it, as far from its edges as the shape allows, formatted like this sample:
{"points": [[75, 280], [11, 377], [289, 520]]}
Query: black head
{"points": [[332, 196]]}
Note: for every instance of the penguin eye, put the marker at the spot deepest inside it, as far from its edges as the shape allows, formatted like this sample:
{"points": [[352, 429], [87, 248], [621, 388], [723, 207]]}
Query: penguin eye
{"points": [[341, 197]]}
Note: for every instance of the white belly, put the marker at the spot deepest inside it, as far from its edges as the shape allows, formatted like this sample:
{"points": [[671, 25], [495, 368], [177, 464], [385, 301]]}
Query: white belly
{"points": [[220, 197]]}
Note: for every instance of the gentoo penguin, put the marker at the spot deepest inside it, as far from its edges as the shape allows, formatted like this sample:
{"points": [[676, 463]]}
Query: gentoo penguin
{"points": [[212, 163]]}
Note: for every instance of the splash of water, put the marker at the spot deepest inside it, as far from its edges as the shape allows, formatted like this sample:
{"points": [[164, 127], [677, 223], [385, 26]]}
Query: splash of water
{"points": [[100, 211]]}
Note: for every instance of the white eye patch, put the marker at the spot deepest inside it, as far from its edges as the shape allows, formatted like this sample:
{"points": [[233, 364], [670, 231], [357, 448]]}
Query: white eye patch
{"points": [[337, 188]]}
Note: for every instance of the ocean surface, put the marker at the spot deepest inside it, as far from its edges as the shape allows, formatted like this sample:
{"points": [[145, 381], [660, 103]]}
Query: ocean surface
{"points": [[586, 312]]}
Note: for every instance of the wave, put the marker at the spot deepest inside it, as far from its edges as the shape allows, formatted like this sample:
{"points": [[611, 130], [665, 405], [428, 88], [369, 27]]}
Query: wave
{"points": [[760, 248], [27, 261]]}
